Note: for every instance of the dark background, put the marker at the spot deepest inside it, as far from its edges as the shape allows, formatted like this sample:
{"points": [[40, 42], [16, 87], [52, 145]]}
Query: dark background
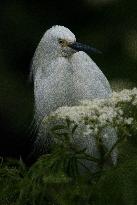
{"points": [[109, 25]]}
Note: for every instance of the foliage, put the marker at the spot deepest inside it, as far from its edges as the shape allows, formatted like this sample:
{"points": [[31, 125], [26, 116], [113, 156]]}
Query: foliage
{"points": [[62, 177], [11, 173]]}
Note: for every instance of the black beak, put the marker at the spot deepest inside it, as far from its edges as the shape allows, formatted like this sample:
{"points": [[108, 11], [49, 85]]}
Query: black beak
{"points": [[82, 47]]}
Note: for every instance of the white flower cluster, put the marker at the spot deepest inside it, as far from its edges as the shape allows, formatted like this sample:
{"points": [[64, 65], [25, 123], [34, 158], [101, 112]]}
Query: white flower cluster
{"points": [[100, 113], [125, 96]]}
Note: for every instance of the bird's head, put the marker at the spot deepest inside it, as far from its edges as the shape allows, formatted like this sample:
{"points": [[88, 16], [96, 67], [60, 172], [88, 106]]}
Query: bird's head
{"points": [[60, 41]]}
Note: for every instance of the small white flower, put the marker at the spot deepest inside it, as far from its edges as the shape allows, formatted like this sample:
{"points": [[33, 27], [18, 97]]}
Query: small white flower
{"points": [[128, 121], [120, 112], [88, 131], [134, 102], [96, 130]]}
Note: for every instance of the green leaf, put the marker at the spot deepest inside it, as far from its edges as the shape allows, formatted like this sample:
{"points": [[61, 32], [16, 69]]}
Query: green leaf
{"points": [[58, 127], [74, 129]]}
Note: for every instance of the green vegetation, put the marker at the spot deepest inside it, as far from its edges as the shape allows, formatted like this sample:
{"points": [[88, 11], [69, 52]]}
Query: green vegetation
{"points": [[62, 177], [40, 184]]}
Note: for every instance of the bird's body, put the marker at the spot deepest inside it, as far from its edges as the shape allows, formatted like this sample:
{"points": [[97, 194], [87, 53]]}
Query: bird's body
{"points": [[62, 76]]}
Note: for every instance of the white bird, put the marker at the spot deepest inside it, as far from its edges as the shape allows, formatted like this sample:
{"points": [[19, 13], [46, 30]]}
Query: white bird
{"points": [[63, 74]]}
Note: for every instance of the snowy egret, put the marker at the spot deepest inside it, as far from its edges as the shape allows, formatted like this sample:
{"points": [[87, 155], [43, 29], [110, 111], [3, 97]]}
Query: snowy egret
{"points": [[63, 74]]}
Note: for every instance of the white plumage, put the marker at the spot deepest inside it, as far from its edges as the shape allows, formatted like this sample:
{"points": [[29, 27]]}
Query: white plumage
{"points": [[62, 75]]}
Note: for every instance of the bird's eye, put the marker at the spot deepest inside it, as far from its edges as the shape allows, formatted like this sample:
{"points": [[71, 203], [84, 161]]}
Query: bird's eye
{"points": [[61, 41]]}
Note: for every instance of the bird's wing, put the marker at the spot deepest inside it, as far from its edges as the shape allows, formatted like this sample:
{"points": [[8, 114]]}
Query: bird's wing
{"points": [[85, 66]]}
